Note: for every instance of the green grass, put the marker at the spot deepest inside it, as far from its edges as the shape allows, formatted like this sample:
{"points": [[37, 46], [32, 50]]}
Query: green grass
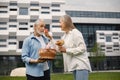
{"points": [[105, 76], [60, 76]]}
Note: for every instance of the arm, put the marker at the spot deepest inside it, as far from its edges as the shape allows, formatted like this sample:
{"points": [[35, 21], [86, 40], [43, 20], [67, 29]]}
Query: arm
{"points": [[26, 53], [79, 44], [79, 47]]}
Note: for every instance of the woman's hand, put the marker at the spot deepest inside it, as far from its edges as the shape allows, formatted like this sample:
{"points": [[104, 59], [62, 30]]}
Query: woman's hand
{"points": [[62, 49]]}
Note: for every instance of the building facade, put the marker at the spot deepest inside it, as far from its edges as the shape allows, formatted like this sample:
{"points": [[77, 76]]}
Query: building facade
{"points": [[17, 18], [109, 42], [93, 22]]}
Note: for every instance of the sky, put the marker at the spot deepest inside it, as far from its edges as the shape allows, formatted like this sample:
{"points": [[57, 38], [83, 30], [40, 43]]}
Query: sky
{"points": [[114, 4]]}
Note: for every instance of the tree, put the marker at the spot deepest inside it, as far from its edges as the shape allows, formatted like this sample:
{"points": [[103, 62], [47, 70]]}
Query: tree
{"points": [[97, 55]]}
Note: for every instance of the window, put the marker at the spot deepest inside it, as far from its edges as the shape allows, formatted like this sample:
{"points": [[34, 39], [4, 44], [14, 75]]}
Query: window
{"points": [[12, 37], [23, 23], [115, 37], [116, 49], [31, 26], [20, 44], [102, 45], [12, 26], [93, 14], [45, 12], [85, 29], [55, 21], [23, 28], [2, 40], [3, 11], [55, 26], [3, 6], [109, 47], [33, 20], [56, 37], [13, 9], [102, 49], [47, 27], [13, 4], [108, 39], [23, 11], [101, 37], [12, 20], [45, 7], [55, 10], [12, 43], [55, 5], [2, 45], [115, 45], [109, 51], [115, 34], [101, 34], [3, 23], [34, 9], [2, 28], [34, 4]]}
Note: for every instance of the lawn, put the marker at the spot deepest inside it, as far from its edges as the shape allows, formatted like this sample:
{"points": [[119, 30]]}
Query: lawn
{"points": [[60, 76]]}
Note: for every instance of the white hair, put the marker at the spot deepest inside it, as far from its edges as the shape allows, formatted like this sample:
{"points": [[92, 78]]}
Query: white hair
{"points": [[37, 22], [67, 20]]}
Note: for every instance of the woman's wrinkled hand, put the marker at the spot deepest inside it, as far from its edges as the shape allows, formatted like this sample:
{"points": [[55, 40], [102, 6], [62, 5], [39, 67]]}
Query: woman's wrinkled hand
{"points": [[62, 49]]}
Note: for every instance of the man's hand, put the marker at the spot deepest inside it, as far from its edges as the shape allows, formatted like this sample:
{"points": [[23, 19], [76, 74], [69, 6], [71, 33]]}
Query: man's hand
{"points": [[39, 60]]}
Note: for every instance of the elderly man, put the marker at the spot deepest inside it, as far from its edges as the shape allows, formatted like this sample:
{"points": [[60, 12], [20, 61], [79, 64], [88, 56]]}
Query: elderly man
{"points": [[36, 69]]}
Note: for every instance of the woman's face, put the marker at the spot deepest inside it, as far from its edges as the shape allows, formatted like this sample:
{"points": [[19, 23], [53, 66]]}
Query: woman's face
{"points": [[62, 25]]}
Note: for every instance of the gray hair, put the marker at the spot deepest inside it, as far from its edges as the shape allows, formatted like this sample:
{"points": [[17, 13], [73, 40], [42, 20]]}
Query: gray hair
{"points": [[68, 21], [37, 22]]}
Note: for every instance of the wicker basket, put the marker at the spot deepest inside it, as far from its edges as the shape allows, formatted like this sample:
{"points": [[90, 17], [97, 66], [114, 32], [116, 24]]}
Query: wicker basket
{"points": [[48, 54]]}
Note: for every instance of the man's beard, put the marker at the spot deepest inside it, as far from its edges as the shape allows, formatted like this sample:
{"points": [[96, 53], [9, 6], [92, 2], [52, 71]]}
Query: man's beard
{"points": [[40, 33]]}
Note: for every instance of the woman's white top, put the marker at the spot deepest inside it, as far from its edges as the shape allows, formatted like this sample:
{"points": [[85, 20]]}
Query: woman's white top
{"points": [[76, 57]]}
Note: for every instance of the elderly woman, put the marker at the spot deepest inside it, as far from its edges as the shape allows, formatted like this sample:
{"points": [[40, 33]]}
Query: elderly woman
{"points": [[74, 50]]}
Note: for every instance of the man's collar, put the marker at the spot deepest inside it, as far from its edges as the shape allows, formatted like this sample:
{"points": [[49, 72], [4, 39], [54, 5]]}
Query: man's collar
{"points": [[33, 36]]}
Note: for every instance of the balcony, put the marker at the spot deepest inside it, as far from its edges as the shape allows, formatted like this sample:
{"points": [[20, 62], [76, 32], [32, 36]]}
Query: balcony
{"points": [[12, 47], [57, 32], [21, 34], [13, 13], [47, 18], [57, 14], [4, 16], [3, 50], [4, 34], [23, 18]]}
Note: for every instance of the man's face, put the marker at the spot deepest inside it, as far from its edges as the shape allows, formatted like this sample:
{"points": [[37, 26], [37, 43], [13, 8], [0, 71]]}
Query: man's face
{"points": [[39, 29]]}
